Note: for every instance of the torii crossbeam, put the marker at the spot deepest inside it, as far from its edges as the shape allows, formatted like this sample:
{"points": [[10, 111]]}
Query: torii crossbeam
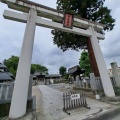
{"points": [[32, 16]]}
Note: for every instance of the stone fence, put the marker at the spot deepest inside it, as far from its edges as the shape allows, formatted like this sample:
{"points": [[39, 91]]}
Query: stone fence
{"points": [[6, 91], [94, 83], [99, 83]]}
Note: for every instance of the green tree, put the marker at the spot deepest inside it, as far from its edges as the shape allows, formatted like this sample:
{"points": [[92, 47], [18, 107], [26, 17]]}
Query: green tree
{"points": [[37, 67], [12, 64], [62, 70], [85, 63], [93, 10]]}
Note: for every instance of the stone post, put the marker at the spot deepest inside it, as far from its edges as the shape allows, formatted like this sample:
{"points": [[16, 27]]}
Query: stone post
{"points": [[20, 93], [92, 82], [106, 82], [116, 73], [86, 84]]}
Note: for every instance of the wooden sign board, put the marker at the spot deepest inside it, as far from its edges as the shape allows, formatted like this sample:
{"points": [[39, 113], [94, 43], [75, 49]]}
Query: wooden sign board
{"points": [[68, 20]]}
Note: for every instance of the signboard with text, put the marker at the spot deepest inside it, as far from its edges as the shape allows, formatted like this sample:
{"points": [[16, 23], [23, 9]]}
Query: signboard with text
{"points": [[68, 20], [75, 96]]}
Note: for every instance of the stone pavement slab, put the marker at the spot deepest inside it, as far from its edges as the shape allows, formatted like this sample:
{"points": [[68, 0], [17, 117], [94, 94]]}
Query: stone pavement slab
{"points": [[52, 103]]}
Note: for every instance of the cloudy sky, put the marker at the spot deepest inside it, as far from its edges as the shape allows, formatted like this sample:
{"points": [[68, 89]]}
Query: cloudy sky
{"points": [[45, 52]]}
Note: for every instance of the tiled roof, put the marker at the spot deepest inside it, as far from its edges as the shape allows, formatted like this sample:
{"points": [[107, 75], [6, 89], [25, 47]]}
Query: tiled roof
{"points": [[5, 76], [40, 73], [73, 69], [10, 74], [76, 69], [2, 66], [53, 75]]}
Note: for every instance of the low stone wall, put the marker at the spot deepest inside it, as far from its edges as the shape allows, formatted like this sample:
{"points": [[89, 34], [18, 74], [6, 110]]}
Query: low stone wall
{"points": [[84, 89], [6, 91], [5, 107]]}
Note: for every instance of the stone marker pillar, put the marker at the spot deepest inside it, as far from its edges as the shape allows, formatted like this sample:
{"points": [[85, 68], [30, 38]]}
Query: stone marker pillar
{"points": [[106, 82], [77, 81], [116, 73], [20, 93], [86, 84], [92, 82]]}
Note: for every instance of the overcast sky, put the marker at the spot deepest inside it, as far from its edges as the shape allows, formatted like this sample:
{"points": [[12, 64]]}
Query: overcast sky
{"points": [[45, 52]]}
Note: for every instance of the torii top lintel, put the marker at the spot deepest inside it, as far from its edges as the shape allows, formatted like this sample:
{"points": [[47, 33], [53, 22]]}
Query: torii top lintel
{"points": [[47, 12]]}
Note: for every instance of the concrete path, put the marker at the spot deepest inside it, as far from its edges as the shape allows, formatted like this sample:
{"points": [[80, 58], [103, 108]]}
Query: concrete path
{"points": [[52, 104]]}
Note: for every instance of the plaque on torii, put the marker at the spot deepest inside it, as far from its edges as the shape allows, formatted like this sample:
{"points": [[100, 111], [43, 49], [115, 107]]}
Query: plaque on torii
{"points": [[32, 16], [68, 20]]}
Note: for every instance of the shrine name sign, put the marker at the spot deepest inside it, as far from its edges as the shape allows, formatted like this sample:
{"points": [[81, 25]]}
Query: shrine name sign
{"points": [[75, 96], [68, 20]]}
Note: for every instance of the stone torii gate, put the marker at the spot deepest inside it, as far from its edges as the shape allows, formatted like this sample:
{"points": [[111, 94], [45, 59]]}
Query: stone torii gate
{"points": [[32, 13]]}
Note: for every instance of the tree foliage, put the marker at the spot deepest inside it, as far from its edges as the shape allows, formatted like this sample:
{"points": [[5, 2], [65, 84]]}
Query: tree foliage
{"points": [[37, 67], [12, 64], [62, 70], [89, 9], [85, 62]]}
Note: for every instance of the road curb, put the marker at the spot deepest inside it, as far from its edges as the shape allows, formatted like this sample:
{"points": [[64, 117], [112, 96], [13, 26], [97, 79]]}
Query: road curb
{"points": [[106, 115]]}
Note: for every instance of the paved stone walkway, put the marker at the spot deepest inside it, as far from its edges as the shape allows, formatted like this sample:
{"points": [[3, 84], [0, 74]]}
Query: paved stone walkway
{"points": [[52, 105], [39, 103]]}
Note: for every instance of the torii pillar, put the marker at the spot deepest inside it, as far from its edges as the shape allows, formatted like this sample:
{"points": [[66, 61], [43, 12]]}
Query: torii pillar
{"points": [[105, 79], [20, 93]]}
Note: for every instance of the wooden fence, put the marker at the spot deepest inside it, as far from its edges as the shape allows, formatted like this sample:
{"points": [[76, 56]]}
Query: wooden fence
{"points": [[74, 100]]}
